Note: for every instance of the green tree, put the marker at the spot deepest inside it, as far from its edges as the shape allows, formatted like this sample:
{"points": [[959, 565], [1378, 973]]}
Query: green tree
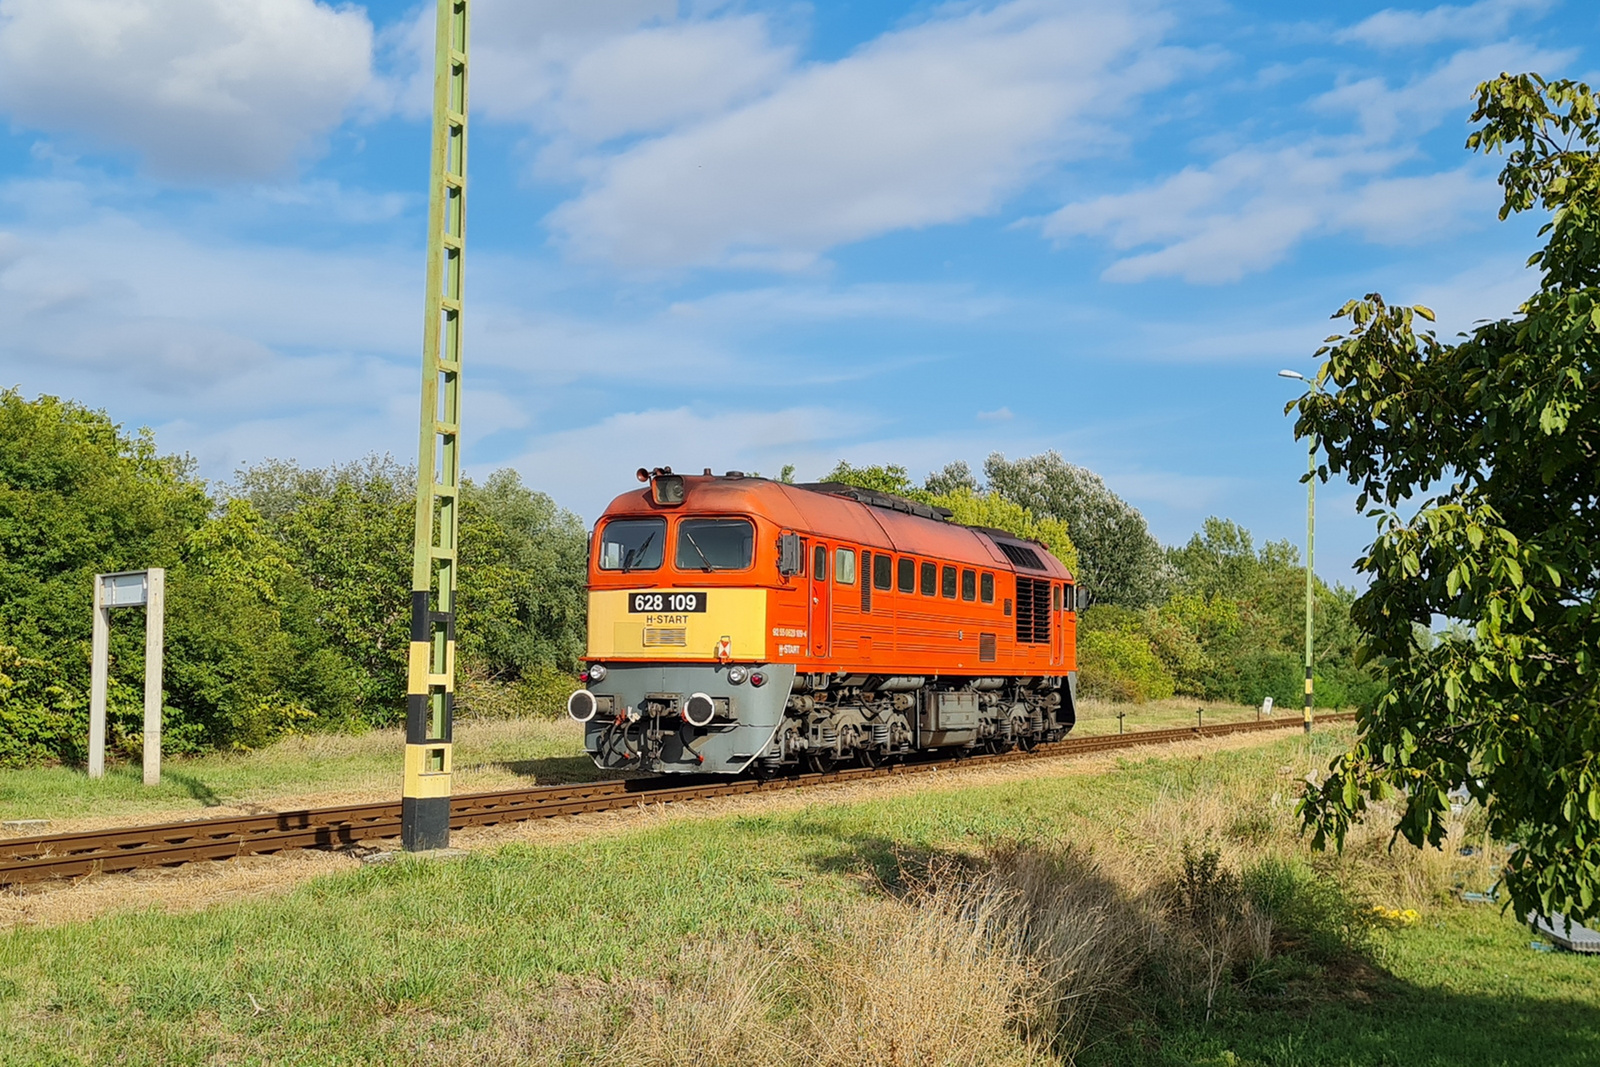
{"points": [[1484, 455], [1120, 562], [955, 490], [79, 496], [346, 531], [889, 478], [524, 575], [972, 508], [1117, 658]]}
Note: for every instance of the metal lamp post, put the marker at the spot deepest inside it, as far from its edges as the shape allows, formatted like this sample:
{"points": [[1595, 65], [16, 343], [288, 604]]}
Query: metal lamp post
{"points": [[1311, 535]]}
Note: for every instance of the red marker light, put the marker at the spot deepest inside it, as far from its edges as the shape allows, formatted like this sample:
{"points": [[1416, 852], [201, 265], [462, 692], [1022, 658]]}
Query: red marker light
{"points": [[758, 679]]}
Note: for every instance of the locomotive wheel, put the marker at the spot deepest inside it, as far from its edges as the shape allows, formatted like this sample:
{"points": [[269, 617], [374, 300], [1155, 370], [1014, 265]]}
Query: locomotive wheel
{"points": [[868, 757], [819, 762], [999, 747]]}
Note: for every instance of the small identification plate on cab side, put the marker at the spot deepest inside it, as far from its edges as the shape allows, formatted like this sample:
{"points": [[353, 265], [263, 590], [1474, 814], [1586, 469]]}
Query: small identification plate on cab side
{"points": [[675, 602]]}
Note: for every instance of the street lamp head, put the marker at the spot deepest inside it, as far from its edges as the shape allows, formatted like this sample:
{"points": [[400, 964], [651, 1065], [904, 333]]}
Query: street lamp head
{"points": [[1291, 374]]}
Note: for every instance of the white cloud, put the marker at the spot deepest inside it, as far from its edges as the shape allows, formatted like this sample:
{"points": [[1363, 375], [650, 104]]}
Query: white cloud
{"points": [[1386, 113], [932, 124], [585, 467], [1399, 28], [655, 78], [587, 73], [1245, 211], [200, 89]]}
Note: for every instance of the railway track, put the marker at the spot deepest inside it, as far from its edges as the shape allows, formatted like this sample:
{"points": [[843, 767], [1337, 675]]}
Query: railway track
{"points": [[53, 856]]}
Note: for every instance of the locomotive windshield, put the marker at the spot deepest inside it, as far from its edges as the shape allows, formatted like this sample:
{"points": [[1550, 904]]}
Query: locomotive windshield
{"points": [[715, 544], [632, 544]]}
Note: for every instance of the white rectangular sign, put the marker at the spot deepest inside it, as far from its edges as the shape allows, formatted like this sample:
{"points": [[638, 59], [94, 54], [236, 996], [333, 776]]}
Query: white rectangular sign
{"points": [[124, 590]]}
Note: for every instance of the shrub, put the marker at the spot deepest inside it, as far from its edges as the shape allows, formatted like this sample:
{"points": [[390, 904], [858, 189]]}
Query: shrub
{"points": [[1116, 658]]}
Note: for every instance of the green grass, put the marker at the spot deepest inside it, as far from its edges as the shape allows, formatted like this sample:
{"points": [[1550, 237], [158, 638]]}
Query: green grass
{"points": [[1100, 716], [422, 959], [488, 755]]}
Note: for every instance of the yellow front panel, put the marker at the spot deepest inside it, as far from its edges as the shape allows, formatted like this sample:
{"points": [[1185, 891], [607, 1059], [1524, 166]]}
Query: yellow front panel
{"points": [[737, 614]]}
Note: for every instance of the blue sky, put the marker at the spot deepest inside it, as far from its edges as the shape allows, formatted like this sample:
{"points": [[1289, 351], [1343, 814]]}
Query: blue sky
{"points": [[741, 235]]}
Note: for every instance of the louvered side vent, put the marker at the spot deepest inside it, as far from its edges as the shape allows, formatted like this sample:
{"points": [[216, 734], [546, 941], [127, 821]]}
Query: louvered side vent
{"points": [[866, 581], [986, 648], [1033, 611]]}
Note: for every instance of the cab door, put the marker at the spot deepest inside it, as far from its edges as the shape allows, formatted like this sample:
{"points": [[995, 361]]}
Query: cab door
{"points": [[1058, 637], [820, 623]]}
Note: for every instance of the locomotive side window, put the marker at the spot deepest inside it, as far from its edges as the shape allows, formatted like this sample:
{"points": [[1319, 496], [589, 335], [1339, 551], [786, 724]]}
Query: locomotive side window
{"points": [[969, 585], [632, 544], [947, 582], [930, 579], [819, 563], [844, 566], [907, 578], [882, 571], [1056, 598], [715, 544], [986, 588]]}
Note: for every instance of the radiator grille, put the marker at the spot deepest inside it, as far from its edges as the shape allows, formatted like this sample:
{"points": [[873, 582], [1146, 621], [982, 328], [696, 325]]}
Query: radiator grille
{"points": [[1033, 611]]}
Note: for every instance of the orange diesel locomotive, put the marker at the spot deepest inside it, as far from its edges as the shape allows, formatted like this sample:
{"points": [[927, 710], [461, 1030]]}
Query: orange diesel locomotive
{"points": [[739, 623]]}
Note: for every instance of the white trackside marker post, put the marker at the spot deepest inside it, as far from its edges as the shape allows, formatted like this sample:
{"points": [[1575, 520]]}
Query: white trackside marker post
{"points": [[128, 589]]}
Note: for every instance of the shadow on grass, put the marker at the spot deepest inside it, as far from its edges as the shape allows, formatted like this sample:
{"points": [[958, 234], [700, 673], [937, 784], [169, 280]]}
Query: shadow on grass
{"points": [[197, 789], [556, 770], [1373, 1024]]}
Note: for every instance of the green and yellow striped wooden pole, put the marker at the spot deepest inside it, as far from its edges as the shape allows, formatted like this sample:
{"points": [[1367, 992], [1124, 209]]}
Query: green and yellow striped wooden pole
{"points": [[425, 803], [1311, 572]]}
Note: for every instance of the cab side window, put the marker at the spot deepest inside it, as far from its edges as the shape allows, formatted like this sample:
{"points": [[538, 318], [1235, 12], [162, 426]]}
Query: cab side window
{"points": [[819, 563], [844, 566], [986, 588], [882, 571]]}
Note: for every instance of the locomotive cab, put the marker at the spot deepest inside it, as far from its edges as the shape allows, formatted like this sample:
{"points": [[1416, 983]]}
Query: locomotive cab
{"points": [[736, 622]]}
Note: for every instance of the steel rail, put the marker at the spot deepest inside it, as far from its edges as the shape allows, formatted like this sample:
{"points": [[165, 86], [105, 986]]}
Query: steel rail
{"points": [[70, 855]]}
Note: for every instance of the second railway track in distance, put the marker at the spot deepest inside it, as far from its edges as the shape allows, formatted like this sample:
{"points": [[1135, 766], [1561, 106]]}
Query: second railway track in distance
{"points": [[56, 856]]}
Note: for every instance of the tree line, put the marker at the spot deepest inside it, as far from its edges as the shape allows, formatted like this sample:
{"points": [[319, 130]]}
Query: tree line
{"points": [[288, 607]]}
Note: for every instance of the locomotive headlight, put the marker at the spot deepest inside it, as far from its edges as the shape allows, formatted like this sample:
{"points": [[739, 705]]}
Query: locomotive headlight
{"points": [[737, 675], [597, 672]]}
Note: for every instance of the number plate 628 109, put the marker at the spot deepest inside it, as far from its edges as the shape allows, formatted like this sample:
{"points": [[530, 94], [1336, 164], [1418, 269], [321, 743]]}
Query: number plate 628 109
{"points": [[676, 602]]}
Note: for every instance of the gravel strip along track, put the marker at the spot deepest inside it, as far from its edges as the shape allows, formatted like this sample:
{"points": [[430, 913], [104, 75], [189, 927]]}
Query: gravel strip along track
{"points": [[52, 856]]}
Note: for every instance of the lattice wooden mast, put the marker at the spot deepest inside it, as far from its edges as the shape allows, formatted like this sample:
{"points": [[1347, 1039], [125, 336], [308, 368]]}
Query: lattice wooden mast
{"points": [[425, 804]]}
